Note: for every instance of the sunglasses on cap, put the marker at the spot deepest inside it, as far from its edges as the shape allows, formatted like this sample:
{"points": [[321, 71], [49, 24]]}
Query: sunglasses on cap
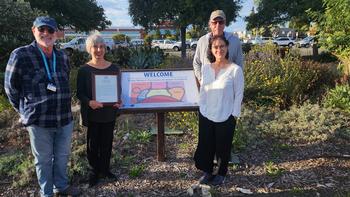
{"points": [[48, 29], [218, 22]]}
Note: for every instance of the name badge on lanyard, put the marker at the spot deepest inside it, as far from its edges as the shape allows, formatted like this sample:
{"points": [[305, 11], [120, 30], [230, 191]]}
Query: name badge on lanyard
{"points": [[51, 86]]}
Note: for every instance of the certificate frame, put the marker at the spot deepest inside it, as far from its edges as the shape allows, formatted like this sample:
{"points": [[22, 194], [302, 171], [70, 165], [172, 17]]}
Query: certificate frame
{"points": [[96, 76]]}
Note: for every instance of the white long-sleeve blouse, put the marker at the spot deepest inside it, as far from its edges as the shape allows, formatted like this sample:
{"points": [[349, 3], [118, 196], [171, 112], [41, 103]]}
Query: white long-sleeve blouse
{"points": [[221, 96]]}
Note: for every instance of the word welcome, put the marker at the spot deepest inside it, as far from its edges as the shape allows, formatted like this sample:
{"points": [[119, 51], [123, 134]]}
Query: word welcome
{"points": [[158, 74]]}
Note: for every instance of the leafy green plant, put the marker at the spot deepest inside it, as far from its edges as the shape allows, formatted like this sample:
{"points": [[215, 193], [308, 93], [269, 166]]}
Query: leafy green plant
{"points": [[142, 136], [78, 58], [273, 170], [120, 56], [186, 121], [307, 123], [339, 97], [19, 166], [145, 58], [4, 103], [270, 80], [136, 170]]}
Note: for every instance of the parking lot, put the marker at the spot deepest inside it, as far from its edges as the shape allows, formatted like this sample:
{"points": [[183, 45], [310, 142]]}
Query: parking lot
{"points": [[190, 53]]}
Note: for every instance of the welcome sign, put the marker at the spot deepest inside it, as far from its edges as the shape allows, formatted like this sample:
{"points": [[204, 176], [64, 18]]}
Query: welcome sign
{"points": [[155, 89]]}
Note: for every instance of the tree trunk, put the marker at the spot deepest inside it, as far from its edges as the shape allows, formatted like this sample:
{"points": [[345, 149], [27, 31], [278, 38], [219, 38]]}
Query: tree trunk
{"points": [[183, 41]]}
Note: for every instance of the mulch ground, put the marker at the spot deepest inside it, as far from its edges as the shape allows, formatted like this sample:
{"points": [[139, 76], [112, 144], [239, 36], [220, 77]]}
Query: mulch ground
{"points": [[319, 169]]}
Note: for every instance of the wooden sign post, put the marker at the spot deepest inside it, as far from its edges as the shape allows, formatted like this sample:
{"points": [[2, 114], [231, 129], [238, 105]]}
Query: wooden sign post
{"points": [[158, 91]]}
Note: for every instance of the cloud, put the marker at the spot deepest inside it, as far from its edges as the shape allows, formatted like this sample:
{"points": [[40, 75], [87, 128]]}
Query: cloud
{"points": [[117, 11]]}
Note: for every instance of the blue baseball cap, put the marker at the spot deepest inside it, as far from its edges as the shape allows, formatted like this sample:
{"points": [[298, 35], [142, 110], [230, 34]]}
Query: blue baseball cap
{"points": [[45, 21]]}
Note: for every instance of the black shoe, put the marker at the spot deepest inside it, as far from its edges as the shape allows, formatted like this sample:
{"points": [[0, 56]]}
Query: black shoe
{"points": [[218, 180], [93, 179], [110, 175], [206, 178], [70, 191]]}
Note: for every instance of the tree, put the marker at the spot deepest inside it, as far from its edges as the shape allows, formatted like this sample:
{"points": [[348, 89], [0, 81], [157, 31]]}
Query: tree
{"points": [[334, 29], [83, 15], [121, 38], [16, 20], [282, 11], [149, 13]]}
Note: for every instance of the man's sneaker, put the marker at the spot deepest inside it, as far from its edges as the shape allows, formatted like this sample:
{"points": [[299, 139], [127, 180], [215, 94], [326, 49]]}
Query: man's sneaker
{"points": [[206, 178], [70, 191], [218, 180]]}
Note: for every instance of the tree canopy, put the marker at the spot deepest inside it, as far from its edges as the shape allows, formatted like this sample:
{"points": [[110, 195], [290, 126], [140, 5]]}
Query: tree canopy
{"points": [[83, 15], [17, 16], [334, 24], [150, 13], [16, 19], [280, 11]]}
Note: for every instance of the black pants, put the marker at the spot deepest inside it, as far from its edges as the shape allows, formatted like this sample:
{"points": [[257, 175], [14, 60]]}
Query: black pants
{"points": [[214, 139], [99, 145]]}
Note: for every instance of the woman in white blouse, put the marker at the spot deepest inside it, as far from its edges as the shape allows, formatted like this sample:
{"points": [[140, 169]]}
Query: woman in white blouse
{"points": [[221, 94]]}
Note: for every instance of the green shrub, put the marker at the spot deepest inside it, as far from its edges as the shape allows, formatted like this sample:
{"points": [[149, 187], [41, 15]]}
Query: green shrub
{"points": [[273, 170], [73, 83], [4, 103], [246, 47], [145, 58], [18, 166], [246, 132], [326, 57], [142, 136], [307, 123], [136, 170], [270, 80], [78, 58], [339, 97], [172, 61], [186, 121], [120, 56]]}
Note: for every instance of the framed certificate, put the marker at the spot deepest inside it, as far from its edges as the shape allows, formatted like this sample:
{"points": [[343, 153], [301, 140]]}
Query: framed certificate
{"points": [[106, 87]]}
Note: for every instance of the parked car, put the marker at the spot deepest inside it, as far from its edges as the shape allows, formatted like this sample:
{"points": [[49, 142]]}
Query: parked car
{"points": [[166, 44], [120, 44], [137, 42], [193, 45], [260, 40], [306, 42], [78, 43], [284, 41]]}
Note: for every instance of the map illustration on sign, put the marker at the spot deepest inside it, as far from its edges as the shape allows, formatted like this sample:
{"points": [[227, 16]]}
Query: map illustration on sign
{"points": [[157, 92]]}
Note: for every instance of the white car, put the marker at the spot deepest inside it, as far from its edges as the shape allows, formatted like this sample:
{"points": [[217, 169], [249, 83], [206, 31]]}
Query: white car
{"points": [[137, 42], [166, 44], [284, 41], [78, 43], [260, 40], [306, 42], [193, 45]]}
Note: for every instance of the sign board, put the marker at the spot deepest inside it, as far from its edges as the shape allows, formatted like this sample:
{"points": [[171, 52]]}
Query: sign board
{"points": [[159, 89]]}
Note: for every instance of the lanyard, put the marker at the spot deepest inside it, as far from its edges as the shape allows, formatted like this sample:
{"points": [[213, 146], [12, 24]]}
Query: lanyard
{"points": [[46, 65]]}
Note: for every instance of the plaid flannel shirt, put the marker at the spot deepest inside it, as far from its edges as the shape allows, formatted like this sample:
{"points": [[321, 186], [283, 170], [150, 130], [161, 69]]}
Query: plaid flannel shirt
{"points": [[26, 83]]}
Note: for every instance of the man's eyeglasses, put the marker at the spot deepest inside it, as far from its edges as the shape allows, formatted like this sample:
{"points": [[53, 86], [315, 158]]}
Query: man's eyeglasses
{"points": [[218, 22], [48, 29]]}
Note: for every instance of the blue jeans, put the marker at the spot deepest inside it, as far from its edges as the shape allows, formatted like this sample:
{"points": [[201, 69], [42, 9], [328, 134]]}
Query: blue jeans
{"points": [[51, 148]]}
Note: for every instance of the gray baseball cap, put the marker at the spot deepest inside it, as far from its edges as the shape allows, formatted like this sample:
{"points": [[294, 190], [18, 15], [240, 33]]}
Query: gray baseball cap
{"points": [[217, 14]]}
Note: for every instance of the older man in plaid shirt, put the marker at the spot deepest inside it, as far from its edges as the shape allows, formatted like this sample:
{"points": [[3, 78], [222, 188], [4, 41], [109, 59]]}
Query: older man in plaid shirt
{"points": [[37, 85]]}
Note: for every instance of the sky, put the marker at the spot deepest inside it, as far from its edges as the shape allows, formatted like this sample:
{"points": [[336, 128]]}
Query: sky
{"points": [[117, 12]]}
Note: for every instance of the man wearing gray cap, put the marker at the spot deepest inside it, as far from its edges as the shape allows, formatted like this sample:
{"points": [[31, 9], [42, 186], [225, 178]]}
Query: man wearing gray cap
{"points": [[216, 24], [37, 85]]}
